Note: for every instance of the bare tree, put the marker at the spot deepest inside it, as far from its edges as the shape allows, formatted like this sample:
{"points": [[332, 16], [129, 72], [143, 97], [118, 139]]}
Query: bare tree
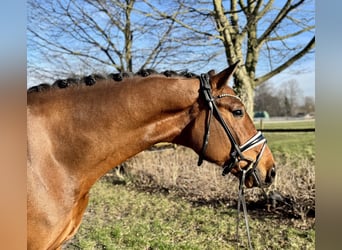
{"points": [[88, 35], [309, 104], [266, 36], [267, 99], [291, 94]]}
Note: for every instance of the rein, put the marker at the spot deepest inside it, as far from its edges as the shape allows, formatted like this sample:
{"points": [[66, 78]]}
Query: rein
{"points": [[241, 199], [236, 155]]}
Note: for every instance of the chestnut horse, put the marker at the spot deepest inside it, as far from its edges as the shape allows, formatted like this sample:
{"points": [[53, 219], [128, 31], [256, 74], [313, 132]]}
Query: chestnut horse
{"points": [[78, 133]]}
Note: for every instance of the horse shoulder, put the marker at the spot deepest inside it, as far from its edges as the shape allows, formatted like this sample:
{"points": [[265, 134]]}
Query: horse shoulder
{"points": [[55, 204]]}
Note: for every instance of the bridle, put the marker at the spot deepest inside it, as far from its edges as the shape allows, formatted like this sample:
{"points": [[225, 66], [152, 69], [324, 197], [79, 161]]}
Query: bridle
{"points": [[236, 155]]}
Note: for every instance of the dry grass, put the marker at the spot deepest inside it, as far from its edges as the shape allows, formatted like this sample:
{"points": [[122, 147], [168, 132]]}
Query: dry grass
{"points": [[162, 200], [174, 171]]}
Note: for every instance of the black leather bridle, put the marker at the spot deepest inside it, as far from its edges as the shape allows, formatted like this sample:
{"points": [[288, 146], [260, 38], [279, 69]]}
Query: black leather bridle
{"points": [[236, 155]]}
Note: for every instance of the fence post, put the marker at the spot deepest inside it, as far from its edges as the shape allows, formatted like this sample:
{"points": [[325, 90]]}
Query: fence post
{"points": [[261, 124]]}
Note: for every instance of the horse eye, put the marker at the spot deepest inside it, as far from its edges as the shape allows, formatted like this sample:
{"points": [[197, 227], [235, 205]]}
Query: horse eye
{"points": [[237, 112]]}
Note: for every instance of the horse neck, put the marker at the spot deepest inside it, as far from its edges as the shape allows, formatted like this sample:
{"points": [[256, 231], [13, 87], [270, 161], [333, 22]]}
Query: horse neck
{"points": [[96, 128]]}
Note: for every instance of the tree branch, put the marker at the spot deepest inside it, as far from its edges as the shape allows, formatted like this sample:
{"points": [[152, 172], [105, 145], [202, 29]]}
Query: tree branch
{"points": [[166, 16], [281, 15], [286, 64], [161, 41], [279, 38], [225, 31]]}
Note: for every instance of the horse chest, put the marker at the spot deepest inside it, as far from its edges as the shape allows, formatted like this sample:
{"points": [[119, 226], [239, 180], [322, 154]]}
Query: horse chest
{"points": [[73, 221]]}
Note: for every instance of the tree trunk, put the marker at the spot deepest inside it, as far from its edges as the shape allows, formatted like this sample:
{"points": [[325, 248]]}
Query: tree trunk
{"points": [[128, 36], [243, 86], [243, 83]]}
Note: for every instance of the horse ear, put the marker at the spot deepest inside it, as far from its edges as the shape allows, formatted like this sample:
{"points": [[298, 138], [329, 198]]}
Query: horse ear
{"points": [[211, 73], [222, 78]]}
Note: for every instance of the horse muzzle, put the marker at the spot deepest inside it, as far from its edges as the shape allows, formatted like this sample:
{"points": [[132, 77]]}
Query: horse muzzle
{"points": [[254, 178]]}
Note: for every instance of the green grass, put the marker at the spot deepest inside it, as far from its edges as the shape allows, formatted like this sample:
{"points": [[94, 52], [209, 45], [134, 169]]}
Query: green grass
{"points": [[285, 124], [290, 145], [300, 145], [119, 217]]}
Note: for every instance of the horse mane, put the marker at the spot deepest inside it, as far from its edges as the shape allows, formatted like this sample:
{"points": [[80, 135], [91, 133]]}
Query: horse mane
{"points": [[117, 77]]}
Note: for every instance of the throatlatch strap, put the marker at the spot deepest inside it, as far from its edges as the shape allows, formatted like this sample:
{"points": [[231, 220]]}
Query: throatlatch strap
{"points": [[206, 90]]}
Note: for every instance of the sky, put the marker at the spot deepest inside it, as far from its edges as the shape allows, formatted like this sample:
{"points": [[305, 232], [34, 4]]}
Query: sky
{"points": [[306, 78]]}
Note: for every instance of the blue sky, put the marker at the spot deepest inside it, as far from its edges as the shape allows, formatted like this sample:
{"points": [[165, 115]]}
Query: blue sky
{"points": [[305, 79]]}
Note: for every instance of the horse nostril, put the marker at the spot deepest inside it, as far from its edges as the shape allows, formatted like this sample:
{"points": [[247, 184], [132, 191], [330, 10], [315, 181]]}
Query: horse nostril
{"points": [[271, 175], [273, 172]]}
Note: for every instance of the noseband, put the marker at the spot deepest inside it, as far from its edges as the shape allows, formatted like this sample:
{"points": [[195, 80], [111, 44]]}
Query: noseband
{"points": [[236, 155]]}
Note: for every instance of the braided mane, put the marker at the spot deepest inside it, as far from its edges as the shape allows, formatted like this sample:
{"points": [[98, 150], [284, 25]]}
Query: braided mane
{"points": [[117, 77]]}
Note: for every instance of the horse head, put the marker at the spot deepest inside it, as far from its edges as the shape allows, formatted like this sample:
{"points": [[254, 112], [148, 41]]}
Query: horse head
{"points": [[223, 133]]}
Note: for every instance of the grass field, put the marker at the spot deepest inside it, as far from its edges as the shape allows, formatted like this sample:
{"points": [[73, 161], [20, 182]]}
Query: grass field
{"points": [[125, 218], [164, 201], [289, 145]]}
